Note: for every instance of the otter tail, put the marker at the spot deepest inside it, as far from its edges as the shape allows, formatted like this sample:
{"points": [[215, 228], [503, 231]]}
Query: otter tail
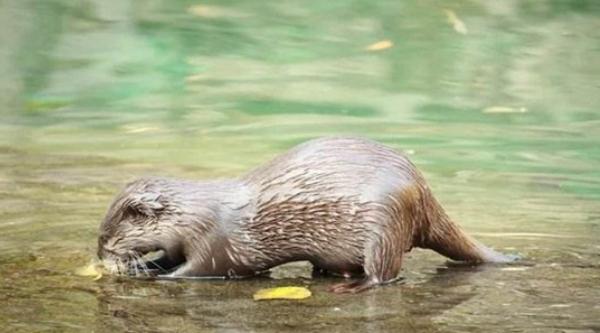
{"points": [[448, 239]]}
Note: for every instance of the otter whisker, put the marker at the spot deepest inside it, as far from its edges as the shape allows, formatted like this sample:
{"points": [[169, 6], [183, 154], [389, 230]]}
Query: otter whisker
{"points": [[110, 265], [117, 266], [144, 267], [121, 267], [140, 264], [135, 268], [157, 265], [132, 267], [136, 263]]}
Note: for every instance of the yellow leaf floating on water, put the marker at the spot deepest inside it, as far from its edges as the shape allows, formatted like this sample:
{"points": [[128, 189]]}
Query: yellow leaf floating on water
{"points": [[282, 293], [458, 25], [204, 11], [504, 109], [134, 129], [92, 270], [514, 269], [381, 45], [213, 12]]}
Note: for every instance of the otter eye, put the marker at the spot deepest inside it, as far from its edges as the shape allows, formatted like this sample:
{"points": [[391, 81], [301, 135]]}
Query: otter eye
{"points": [[130, 212], [143, 205], [134, 216]]}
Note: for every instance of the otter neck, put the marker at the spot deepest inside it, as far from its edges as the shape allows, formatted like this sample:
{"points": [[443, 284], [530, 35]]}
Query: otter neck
{"points": [[218, 210]]}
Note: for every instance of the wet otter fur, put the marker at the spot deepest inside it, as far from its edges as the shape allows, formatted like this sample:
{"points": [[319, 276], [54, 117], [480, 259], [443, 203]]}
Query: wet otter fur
{"points": [[350, 206]]}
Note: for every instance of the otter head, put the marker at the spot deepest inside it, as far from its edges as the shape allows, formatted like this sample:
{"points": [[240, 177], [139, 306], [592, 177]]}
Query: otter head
{"points": [[141, 221]]}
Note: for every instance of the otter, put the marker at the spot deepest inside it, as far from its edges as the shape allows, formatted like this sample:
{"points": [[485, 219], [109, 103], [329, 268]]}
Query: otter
{"points": [[350, 206]]}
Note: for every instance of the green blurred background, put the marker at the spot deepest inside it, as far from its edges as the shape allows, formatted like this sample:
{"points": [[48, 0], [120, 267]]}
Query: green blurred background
{"points": [[497, 102]]}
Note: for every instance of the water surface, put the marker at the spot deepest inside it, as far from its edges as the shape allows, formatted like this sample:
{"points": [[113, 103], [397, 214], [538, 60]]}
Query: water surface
{"points": [[496, 102]]}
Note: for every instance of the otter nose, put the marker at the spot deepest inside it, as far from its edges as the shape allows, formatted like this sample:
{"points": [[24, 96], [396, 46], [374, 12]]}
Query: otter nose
{"points": [[102, 239]]}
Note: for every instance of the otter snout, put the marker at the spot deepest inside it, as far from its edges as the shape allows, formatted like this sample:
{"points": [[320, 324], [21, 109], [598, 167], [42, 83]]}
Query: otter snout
{"points": [[101, 252]]}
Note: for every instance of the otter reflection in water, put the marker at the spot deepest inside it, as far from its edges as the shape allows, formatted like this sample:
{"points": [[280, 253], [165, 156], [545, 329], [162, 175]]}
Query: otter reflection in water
{"points": [[350, 206]]}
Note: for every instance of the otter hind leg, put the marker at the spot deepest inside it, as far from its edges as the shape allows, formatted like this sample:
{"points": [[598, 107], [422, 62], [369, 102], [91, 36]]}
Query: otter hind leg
{"points": [[382, 263]]}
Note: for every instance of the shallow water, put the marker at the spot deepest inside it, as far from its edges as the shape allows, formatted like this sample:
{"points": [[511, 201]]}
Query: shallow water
{"points": [[496, 102]]}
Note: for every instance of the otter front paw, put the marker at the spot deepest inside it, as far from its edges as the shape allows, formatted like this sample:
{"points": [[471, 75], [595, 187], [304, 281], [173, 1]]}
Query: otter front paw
{"points": [[353, 287]]}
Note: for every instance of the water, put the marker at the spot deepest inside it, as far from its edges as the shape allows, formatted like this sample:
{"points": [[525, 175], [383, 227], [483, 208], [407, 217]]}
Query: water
{"points": [[496, 102]]}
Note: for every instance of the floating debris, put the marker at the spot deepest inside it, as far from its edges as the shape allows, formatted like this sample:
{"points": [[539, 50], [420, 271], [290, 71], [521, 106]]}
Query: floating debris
{"points": [[514, 269], [381, 45], [45, 105], [504, 109], [134, 129], [91, 270], [458, 25], [212, 11], [282, 293]]}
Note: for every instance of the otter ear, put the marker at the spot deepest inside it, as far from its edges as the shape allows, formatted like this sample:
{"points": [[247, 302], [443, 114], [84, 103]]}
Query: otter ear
{"points": [[146, 204]]}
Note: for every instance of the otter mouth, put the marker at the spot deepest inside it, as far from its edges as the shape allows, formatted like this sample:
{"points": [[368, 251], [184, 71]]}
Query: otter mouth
{"points": [[153, 262], [142, 261]]}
